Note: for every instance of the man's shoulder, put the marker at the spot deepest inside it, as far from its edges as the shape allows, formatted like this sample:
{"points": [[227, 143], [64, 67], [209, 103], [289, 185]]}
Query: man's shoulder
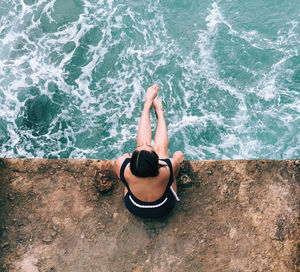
{"points": [[121, 159], [173, 161], [118, 163]]}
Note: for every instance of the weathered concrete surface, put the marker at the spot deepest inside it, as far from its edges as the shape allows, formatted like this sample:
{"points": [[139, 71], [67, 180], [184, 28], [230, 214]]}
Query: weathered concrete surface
{"points": [[233, 216]]}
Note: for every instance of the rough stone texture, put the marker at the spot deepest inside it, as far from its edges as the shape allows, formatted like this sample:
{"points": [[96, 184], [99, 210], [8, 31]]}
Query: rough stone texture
{"points": [[68, 215]]}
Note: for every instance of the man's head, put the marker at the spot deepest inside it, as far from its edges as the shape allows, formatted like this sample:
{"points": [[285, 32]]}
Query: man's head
{"points": [[144, 162]]}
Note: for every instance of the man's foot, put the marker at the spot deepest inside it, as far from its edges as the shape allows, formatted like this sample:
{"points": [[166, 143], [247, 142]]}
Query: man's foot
{"points": [[151, 93]]}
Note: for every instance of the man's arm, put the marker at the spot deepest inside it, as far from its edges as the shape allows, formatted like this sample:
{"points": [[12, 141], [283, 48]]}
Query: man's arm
{"points": [[177, 159], [117, 164]]}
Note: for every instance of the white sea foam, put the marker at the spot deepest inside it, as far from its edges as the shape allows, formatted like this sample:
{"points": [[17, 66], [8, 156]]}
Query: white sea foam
{"points": [[107, 105]]}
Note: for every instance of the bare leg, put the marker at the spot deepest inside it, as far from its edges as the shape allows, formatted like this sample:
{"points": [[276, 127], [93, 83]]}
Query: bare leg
{"points": [[161, 141], [144, 130]]}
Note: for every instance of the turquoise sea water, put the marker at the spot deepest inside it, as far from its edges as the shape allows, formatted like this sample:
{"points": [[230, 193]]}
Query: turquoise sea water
{"points": [[73, 75]]}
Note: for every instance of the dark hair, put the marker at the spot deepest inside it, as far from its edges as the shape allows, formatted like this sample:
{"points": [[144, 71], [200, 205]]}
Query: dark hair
{"points": [[145, 164]]}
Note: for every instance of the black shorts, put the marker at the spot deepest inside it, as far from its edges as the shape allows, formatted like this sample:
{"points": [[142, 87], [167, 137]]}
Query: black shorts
{"points": [[155, 209]]}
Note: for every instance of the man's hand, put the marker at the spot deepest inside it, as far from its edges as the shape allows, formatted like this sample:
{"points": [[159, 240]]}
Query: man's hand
{"points": [[178, 155]]}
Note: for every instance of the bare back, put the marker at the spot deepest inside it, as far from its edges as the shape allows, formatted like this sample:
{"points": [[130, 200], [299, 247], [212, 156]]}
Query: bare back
{"points": [[150, 188]]}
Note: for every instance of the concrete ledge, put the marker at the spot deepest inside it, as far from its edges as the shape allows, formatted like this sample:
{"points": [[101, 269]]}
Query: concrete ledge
{"points": [[68, 215]]}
